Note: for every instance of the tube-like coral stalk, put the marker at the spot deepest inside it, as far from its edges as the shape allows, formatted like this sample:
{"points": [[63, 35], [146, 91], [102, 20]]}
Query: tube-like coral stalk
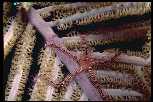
{"points": [[122, 58], [40, 88], [105, 13], [21, 62], [69, 91], [71, 8], [8, 34], [15, 86], [83, 97], [13, 33]]}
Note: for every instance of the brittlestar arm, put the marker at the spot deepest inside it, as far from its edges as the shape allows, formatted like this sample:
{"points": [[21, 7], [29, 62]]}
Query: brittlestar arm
{"points": [[41, 25]]}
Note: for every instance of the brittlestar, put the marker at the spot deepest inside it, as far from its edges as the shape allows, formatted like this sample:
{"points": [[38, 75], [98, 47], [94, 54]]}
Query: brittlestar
{"points": [[86, 62], [77, 64]]}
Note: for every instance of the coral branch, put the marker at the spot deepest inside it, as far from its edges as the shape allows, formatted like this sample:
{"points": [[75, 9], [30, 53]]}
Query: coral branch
{"points": [[69, 9], [51, 8], [121, 9], [15, 86], [22, 61], [83, 97], [13, 33], [69, 91], [122, 92], [122, 58], [8, 34]]}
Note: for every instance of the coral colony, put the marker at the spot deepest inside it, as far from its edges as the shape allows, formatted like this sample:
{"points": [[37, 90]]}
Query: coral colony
{"points": [[77, 51]]}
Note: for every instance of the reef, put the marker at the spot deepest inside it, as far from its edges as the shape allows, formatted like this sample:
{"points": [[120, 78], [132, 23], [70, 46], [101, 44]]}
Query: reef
{"points": [[77, 51]]}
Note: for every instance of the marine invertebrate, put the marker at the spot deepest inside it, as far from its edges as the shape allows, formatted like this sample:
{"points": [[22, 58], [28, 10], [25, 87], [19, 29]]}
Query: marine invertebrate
{"points": [[73, 67], [20, 68], [13, 33]]}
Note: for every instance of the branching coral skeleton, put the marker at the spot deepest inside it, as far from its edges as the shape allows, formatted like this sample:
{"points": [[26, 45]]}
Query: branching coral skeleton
{"points": [[15, 86]]}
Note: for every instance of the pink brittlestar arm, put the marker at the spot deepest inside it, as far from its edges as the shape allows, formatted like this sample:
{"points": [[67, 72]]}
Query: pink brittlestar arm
{"points": [[40, 24]]}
